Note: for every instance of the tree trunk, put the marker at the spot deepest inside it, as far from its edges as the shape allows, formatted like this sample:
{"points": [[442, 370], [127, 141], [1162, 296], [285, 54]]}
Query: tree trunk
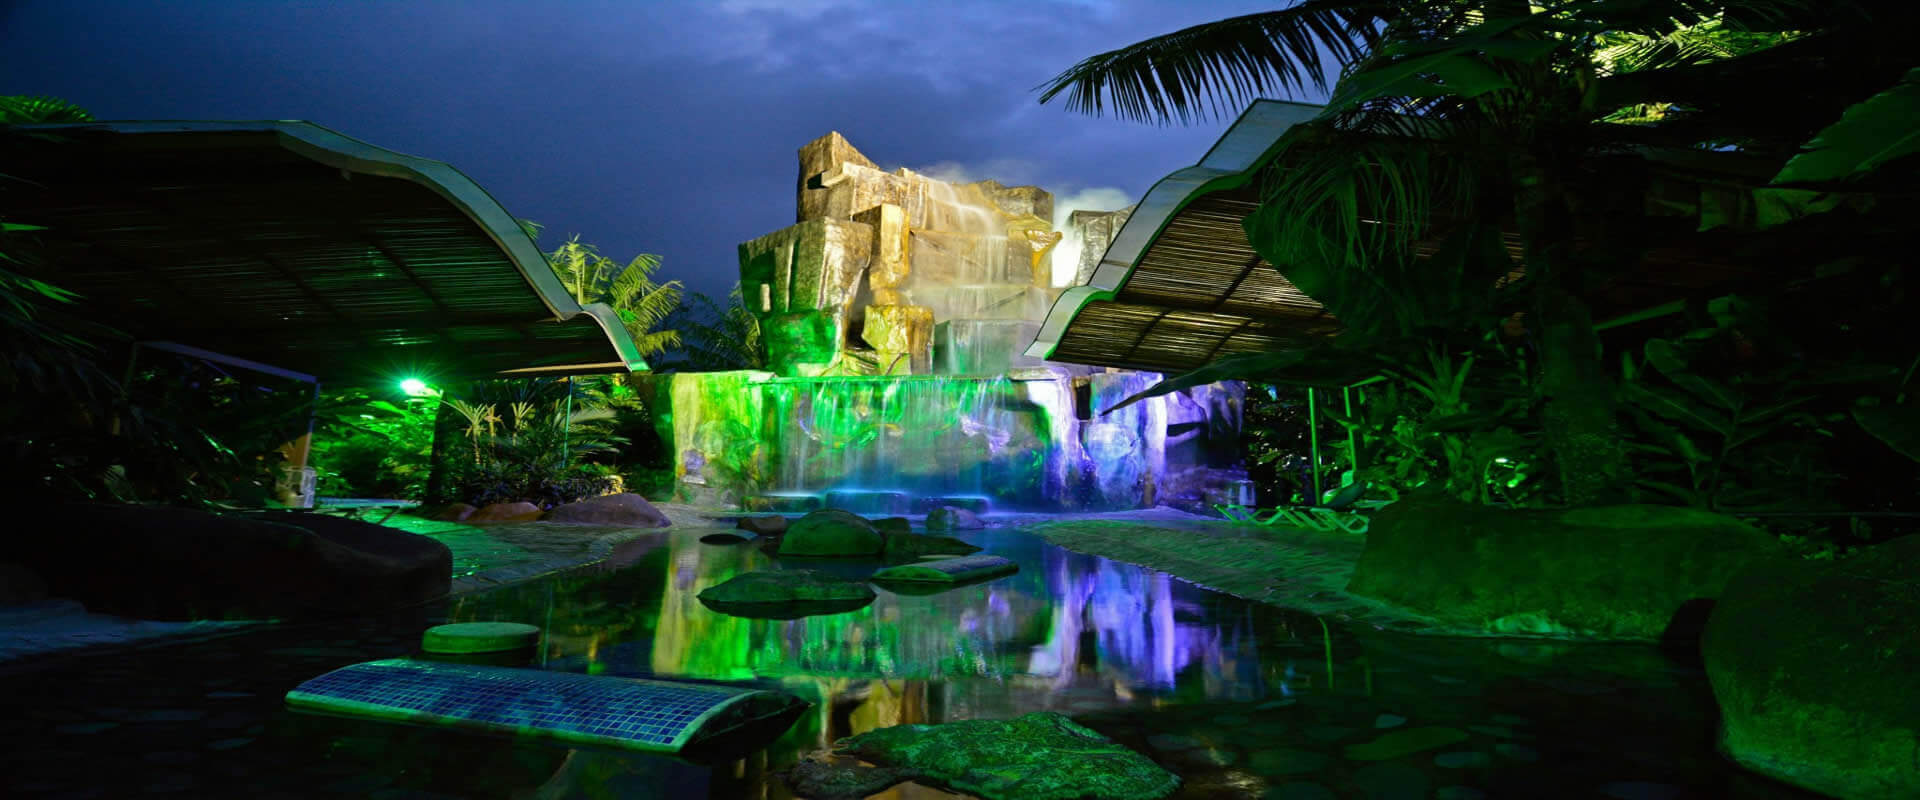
{"points": [[444, 429], [1578, 411]]}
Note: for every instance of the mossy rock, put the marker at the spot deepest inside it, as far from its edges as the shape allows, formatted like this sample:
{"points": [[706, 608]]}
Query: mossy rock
{"points": [[963, 569], [952, 518], [894, 526], [763, 525], [1816, 667], [832, 532], [787, 586], [911, 545], [1615, 573], [480, 637], [1038, 756], [787, 594]]}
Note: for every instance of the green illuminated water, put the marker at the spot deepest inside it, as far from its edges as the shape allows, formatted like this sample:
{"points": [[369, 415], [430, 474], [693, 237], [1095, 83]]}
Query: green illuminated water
{"points": [[1243, 700]]}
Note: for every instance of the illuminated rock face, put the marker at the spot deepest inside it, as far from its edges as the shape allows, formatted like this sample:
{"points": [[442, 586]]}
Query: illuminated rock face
{"points": [[1096, 230], [877, 258], [896, 313]]}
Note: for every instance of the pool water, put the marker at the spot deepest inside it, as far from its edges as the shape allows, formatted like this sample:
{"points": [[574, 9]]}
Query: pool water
{"points": [[1241, 699]]}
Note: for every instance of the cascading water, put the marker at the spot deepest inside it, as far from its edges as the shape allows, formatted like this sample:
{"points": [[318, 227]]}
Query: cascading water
{"points": [[926, 437], [899, 273]]}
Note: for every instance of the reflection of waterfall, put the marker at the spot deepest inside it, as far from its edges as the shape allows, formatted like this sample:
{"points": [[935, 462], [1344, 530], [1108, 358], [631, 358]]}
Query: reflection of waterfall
{"points": [[932, 436], [1139, 640]]}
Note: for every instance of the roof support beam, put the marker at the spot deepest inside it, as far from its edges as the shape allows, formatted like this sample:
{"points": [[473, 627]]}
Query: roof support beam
{"points": [[232, 361], [1252, 264]]}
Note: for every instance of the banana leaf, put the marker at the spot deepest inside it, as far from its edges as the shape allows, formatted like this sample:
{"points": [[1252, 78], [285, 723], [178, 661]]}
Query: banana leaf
{"points": [[1872, 132], [1898, 426], [1679, 408], [1668, 359]]}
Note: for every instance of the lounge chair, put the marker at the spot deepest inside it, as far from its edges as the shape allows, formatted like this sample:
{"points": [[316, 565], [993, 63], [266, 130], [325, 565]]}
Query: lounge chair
{"points": [[1336, 514]]}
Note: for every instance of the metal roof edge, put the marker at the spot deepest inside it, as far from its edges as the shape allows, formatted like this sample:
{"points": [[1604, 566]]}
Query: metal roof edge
{"points": [[1227, 165], [335, 149]]}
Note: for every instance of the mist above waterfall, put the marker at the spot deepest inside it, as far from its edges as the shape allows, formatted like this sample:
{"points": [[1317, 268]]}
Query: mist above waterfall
{"points": [[1066, 255]]}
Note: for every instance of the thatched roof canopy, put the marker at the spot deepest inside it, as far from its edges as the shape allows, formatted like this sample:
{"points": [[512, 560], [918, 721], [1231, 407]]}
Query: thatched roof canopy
{"points": [[293, 246]]}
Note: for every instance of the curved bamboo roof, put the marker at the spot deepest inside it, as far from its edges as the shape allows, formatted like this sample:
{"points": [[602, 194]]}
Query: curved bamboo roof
{"points": [[287, 244], [1180, 285]]}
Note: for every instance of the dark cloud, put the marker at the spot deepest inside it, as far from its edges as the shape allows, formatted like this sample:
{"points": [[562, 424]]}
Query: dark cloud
{"points": [[665, 127]]}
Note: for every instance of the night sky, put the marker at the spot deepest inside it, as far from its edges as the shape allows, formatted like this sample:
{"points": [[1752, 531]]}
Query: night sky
{"points": [[661, 127]]}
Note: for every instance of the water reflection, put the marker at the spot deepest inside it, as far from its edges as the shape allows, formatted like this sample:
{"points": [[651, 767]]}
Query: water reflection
{"points": [[1237, 690], [1069, 632]]}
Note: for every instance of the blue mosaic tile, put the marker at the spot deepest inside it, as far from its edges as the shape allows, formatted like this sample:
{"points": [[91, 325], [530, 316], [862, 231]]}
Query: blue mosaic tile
{"points": [[652, 715]]}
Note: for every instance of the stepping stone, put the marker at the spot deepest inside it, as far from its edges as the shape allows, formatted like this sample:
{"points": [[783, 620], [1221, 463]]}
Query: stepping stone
{"points": [[1404, 742], [1516, 752], [1642, 790], [1328, 733], [1463, 760], [1299, 790], [1389, 721], [480, 637], [1287, 761], [175, 715], [1392, 782], [1172, 743], [951, 570]]}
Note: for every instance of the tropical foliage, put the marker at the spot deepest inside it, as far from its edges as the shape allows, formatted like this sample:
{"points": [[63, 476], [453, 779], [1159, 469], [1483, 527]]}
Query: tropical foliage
{"points": [[366, 445], [1584, 131], [537, 440], [642, 303], [716, 338]]}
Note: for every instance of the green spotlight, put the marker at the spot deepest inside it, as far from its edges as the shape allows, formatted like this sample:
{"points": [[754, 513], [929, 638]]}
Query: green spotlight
{"points": [[414, 387]]}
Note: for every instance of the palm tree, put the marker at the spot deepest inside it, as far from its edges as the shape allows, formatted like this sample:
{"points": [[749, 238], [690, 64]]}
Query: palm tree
{"points": [[1494, 110], [630, 289]]}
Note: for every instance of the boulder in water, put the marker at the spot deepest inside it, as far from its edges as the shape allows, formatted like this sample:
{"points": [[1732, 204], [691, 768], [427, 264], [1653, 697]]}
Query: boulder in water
{"points": [[787, 594], [505, 512], [1038, 756], [819, 780], [915, 545], [447, 512], [952, 518], [893, 526], [624, 509], [1533, 572], [832, 532], [1814, 666], [773, 525], [949, 570]]}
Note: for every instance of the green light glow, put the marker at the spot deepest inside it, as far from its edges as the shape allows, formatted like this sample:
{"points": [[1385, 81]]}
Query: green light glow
{"points": [[414, 387]]}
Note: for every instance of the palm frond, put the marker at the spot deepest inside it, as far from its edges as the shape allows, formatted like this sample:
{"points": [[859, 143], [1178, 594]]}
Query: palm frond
{"points": [[1225, 64], [22, 109]]}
